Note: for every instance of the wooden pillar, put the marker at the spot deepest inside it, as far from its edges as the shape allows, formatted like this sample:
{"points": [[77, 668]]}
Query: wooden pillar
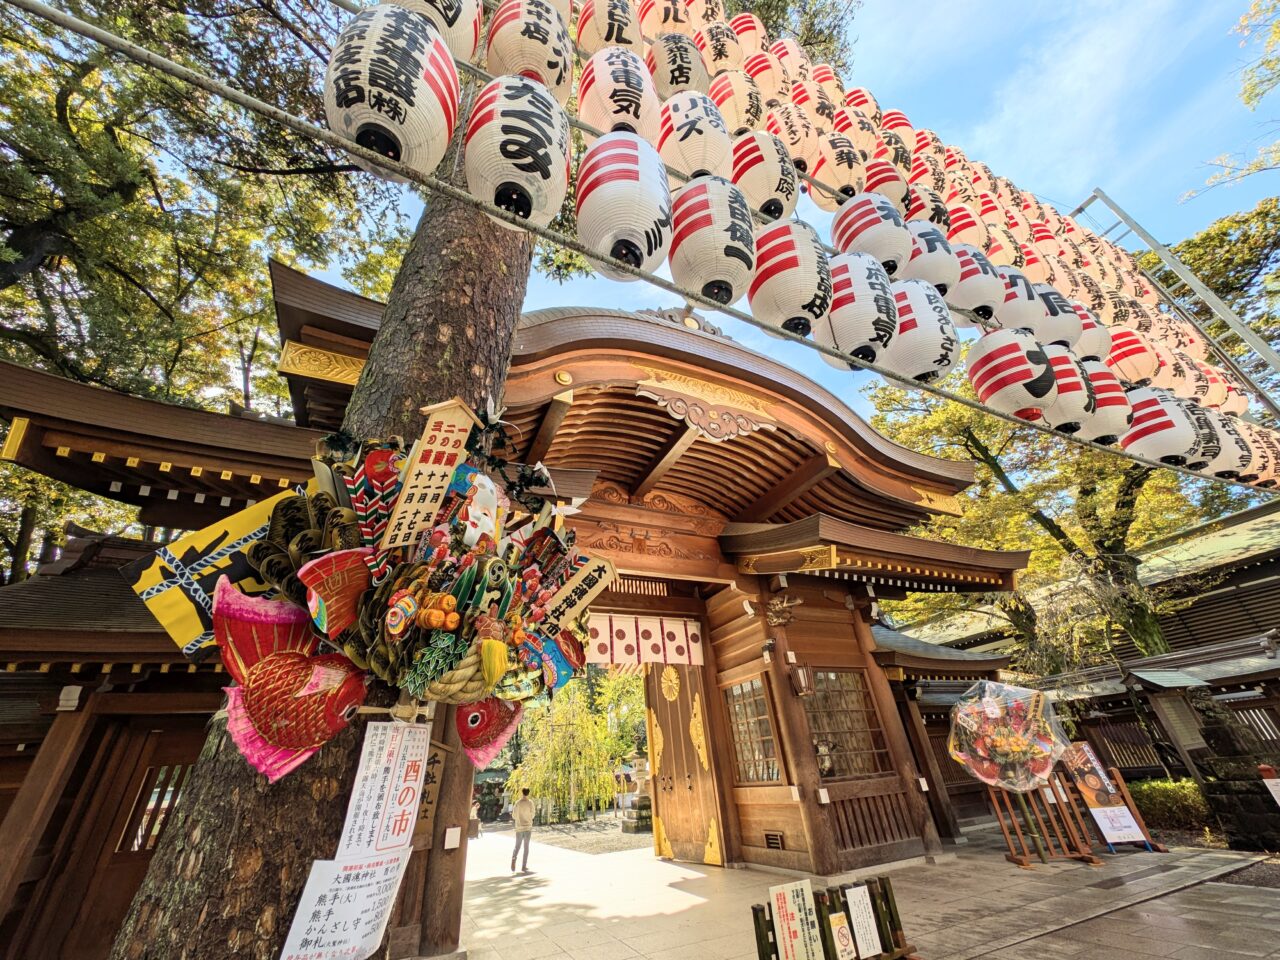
{"points": [[944, 815], [447, 869], [34, 804], [722, 755]]}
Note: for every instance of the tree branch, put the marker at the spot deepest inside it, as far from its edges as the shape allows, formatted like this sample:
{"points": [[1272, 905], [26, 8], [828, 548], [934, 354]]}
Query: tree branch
{"points": [[291, 171]]}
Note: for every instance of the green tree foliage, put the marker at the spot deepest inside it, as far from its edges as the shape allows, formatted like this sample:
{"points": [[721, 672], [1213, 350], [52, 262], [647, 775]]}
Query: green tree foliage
{"points": [[620, 698], [1260, 28]]}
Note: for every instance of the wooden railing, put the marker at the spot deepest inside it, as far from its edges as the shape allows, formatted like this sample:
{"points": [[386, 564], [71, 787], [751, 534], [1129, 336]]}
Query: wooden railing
{"points": [[868, 813]]}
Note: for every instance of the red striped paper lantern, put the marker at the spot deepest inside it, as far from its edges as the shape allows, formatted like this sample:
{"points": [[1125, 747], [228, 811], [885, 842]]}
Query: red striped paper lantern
{"points": [[825, 75], [864, 315], [1161, 428], [895, 121], [517, 150], [924, 204], [870, 223], [789, 124], [857, 127], [527, 38], [763, 171], [1034, 266], [666, 16], [676, 66], [792, 284], [616, 93], [883, 178], [1198, 385], [720, 47], [738, 99], [817, 106], [930, 143], [892, 148], [1184, 336], [1216, 389], [1018, 224], [410, 121], [1011, 373], [862, 100], [1091, 294], [1132, 357], [623, 203], [1112, 411], [1237, 402], [965, 227], [1022, 308], [770, 76], [927, 169], [1061, 323], [1264, 455], [983, 178], [692, 137], [1234, 453], [1075, 402], [1002, 248], [610, 23], [793, 58], [713, 239], [931, 259], [751, 33], [925, 345], [1095, 339], [839, 167], [1171, 373], [457, 21], [702, 12], [980, 287]]}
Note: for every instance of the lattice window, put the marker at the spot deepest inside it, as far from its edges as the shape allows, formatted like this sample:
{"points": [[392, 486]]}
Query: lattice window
{"points": [[157, 796], [754, 747], [847, 735]]}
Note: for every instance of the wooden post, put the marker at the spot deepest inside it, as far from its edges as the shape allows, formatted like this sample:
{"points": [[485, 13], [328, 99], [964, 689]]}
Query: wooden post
{"points": [[722, 755], [944, 814], [446, 869]]}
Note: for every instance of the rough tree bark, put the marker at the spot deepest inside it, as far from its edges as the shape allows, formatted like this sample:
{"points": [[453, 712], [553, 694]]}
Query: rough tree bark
{"points": [[228, 873]]}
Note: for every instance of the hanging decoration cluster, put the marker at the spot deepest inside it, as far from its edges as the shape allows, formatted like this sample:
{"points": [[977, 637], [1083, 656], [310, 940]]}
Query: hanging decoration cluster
{"points": [[1074, 336]]}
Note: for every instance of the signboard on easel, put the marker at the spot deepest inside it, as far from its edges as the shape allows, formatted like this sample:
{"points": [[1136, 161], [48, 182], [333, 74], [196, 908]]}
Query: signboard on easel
{"points": [[863, 915], [1115, 820], [795, 921]]}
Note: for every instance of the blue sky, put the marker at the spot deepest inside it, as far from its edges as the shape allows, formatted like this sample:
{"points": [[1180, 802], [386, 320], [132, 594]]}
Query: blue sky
{"points": [[1135, 97]]}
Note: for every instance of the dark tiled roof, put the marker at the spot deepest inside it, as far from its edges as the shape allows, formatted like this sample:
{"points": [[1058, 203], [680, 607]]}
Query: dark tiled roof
{"points": [[97, 598], [887, 639]]}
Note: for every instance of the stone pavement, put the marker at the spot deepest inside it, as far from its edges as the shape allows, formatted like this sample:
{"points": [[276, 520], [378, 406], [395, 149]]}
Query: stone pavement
{"points": [[629, 904]]}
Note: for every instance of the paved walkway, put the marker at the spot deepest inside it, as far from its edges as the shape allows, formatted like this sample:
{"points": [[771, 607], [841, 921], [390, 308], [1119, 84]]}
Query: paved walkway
{"points": [[629, 904]]}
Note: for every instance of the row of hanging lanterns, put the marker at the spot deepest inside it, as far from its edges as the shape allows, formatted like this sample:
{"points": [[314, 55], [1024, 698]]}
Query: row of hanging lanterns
{"points": [[925, 238]]}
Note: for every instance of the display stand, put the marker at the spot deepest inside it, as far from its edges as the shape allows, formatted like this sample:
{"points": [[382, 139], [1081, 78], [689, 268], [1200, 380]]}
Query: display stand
{"points": [[1048, 818], [1092, 827], [884, 926]]}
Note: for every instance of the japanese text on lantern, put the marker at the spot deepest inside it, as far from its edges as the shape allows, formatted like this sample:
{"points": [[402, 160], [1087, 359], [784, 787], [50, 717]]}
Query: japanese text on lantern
{"points": [[384, 800], [428, 470]]}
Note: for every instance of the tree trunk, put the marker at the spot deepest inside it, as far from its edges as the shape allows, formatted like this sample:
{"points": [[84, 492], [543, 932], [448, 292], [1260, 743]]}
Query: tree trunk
{"points": [[22, 543], [227, 876], [1132, 608]]}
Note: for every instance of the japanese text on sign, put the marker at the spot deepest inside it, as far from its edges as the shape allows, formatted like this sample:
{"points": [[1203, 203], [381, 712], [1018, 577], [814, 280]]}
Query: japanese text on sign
{"points": [[576, 595], [795, 921], [344, 908], [384, 801]]}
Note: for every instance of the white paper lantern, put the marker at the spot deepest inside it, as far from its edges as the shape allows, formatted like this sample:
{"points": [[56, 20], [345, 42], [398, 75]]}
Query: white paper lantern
{"points": [[1185, 337], [1018, 225], [666, 16], [1091, 295], [892, 148], [857, 127], [391, 87], [1132, 357], [751, 33], [864, 316], [720, 48], [1095, 339], [1208, 441], [1034, 266], [925, 345], [517, 149], [763, 171], [693, 138], [1234, 452], [1075, 402], [1022, 308], [1119, 310], [702, 12], [960, 189], [1161, 429], [713, 239], [980, 288], [564, 8], [789, 124], [675, 64], [527, 38], [870, 223], [792, 284], [965, 226], [825, 76], [930, 143], [1112, 412], [793, 58], [924, 204], [457, 22], [623, 203], [1264, 455], [895, 121], [1002, 248], [616, 92], [1061, 323], [931, 259], [840, 167], [882, 177], [816, 105], [610, 23], [862, 100], [1198, 384], [1171, 374], [1011, 373], [1216, 390], [926, 170], [738, 99], [770, 76], [1237, 402]]}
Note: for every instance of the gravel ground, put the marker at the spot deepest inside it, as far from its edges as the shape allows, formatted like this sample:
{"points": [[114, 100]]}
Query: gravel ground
{"points": [[603, 835], [1265, 873]]}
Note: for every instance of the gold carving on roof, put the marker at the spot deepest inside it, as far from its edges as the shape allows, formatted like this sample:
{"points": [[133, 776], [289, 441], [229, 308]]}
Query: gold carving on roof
{"points": [[316, 363], [937, 501], [714, 410]]}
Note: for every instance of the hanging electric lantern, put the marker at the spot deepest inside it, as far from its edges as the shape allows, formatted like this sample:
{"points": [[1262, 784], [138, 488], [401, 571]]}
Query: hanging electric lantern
{"points": [[863, 316], [666, 16], [720, 47], [1018, 224], [870, 223], [702, 12], [925, 204], [930, 143], [770, 76], [965, 227], [1010, 373], [457, 22], [1075, 402], [789, 124], [855, 125], [713, 241], [615, 92], [792, 284], [623, 203], [693, 138], [895, 121], [738, 99], [980, 288], [609, 23], [763, 171], [1237, 402], [1022, 308], [1161, 428], [826, 77], [1033, 265], [1061, 324], [1112, 411], [925, 345], [1002, 248], [1264, 455], [1132, 357], [862, 100], [931, 258], [517, 150], [1216, 389], [527, 38], [817, 106], [1118, 310], [1171, 373], [1091, 294], [391, 87], [1095, 339], [676, 65], [840, 167], [752, 35], [793, 58], [1234, 452], [1198, 386], [927, 169]]}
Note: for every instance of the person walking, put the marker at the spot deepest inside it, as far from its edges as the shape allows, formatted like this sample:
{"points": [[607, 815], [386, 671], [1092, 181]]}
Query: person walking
{"points": [[522, 816]]}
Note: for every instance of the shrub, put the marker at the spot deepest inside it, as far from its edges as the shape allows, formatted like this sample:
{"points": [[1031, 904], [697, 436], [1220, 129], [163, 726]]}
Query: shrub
{"points": [[1172, 805]]}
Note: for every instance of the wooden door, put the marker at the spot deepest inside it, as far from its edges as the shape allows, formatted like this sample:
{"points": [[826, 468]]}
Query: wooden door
{"points": [[686, 820], [131, 805]]}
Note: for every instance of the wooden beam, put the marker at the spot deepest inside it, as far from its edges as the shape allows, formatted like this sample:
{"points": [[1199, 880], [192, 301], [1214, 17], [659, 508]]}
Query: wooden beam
{"points": [[552, 417], [790, 488], [944, 814], [664, 460]]}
